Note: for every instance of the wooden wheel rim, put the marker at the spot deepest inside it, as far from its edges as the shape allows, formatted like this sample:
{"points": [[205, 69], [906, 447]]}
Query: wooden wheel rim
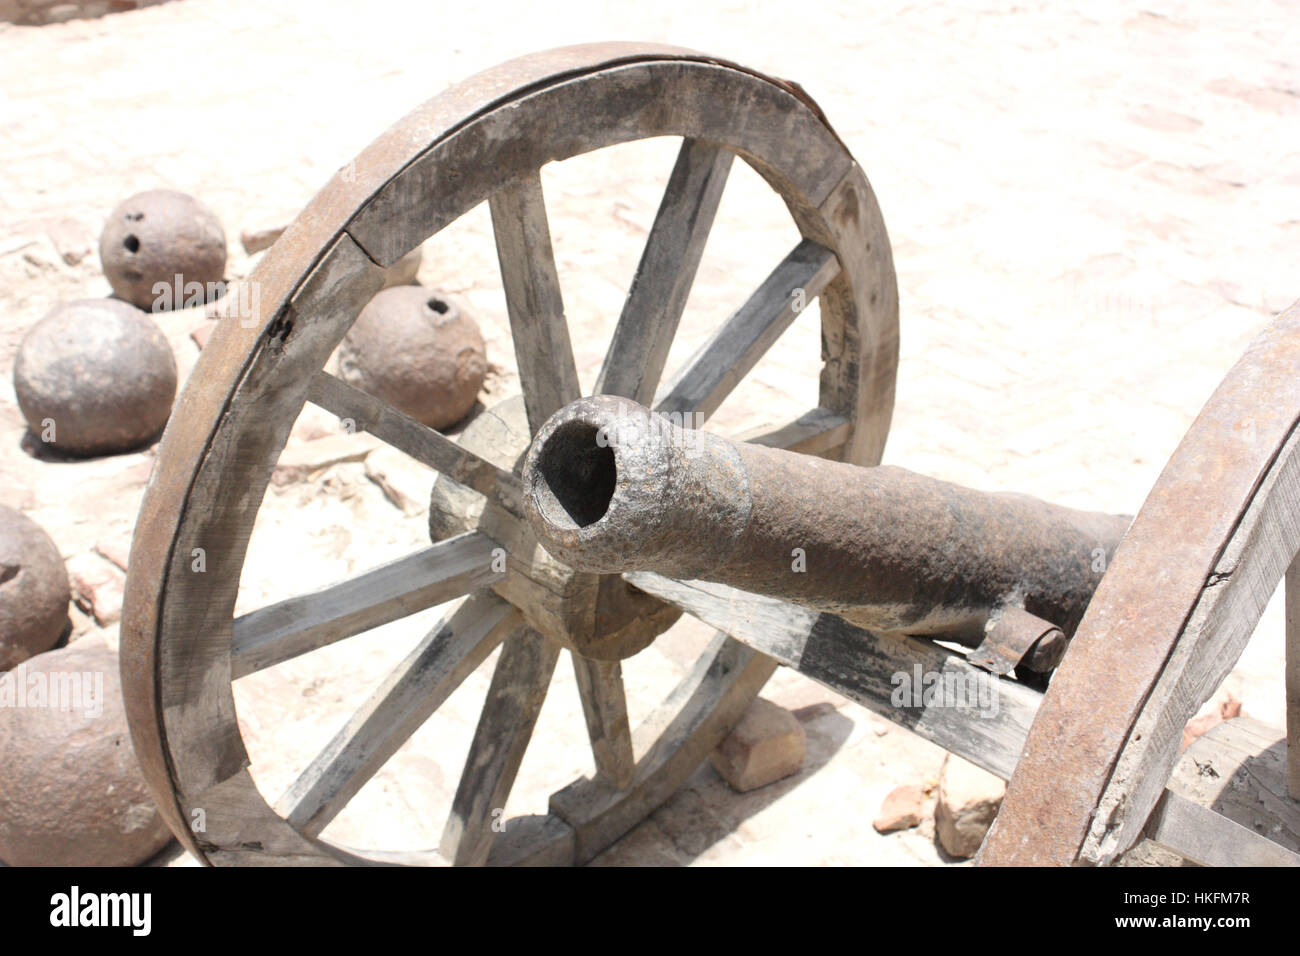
{"points": [[234, 415], [1168, 621]]}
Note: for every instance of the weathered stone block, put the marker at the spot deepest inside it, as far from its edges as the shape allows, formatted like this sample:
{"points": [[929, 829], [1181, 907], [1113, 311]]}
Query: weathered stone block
{"points": [[902, 809], [767, 745], [969, 799]]}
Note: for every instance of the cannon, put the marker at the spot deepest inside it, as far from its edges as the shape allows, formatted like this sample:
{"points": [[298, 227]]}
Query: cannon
{"points": [[1100, 636], [613, 488]]}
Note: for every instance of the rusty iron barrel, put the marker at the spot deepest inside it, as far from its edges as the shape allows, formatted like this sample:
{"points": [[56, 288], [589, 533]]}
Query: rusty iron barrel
{"points": [[614, 487]]}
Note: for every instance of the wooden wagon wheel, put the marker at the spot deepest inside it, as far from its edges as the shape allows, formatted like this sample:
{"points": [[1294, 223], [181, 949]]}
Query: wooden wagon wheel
{"points": [[487, 139], [1168, 621]]}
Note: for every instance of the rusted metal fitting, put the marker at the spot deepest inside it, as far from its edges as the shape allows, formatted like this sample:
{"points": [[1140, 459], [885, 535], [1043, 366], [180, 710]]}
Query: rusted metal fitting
{"points": [[1015, 638], [613, 487]]}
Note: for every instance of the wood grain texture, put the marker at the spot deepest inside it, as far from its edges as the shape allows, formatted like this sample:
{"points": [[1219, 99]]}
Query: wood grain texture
{"points": [[762, 122], [206, 756], [1211, 839], [424, 444], [505, 726], [1252, 562], [407, 698], [818, 431], [859, 311], [980, 717], [604, 705], [543, 352], [639, 347], [737, 345], [306, 622], [1196, 817], [1238, 770]]}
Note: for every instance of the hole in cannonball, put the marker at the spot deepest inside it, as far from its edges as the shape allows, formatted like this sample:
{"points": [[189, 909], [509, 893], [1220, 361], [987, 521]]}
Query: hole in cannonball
{"points": [[131, 243], [438, 306]]}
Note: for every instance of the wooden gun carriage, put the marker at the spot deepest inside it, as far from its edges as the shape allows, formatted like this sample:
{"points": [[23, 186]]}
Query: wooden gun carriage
{"points": [[1096, 674]]}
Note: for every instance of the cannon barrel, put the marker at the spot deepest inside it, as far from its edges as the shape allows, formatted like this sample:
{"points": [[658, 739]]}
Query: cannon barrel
{"points": [[614, 487]]}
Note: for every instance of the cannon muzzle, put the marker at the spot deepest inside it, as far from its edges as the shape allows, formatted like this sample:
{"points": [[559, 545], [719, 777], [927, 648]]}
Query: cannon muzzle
{"points": [[614, 487]]}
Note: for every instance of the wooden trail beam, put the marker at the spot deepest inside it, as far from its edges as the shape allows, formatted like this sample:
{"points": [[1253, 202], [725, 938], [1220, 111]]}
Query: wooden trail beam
{"points": [[1235, 814]]}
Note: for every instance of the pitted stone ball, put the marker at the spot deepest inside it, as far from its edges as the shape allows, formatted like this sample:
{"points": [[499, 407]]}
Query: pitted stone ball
{"points": [[419, 352], [73, 791], [157, 245], [34, 591], [94, 377]]}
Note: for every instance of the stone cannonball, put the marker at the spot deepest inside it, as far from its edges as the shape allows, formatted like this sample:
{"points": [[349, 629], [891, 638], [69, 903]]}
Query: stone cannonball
{"points": [[33, 589], [73, 792], [95, 376], [418, 351], [155, 236]]}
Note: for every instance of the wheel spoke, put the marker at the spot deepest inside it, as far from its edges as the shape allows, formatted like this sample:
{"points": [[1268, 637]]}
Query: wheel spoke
{"points": [[604, 703], [735, 348], [654, 305], [397, 709], [514, 701], [441, 163], [1208, 838], [421, 442], [695, 700], [281, 631], [543, 352], [813, 433], [675, 739]]}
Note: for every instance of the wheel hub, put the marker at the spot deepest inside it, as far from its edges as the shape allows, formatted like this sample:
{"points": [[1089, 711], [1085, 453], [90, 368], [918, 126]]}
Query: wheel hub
{"points": [[598, 616]]}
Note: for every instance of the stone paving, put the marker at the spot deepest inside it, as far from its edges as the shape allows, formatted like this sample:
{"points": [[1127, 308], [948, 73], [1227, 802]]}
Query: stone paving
{"points": [[1092, 212]]}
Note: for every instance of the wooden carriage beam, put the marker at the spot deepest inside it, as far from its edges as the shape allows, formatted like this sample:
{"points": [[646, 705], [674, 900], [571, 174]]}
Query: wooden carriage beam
{"points": [[1226, 803]]}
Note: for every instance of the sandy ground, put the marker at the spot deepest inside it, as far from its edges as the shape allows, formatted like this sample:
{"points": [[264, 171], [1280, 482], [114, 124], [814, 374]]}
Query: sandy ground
{"points": [[1092, 212]]}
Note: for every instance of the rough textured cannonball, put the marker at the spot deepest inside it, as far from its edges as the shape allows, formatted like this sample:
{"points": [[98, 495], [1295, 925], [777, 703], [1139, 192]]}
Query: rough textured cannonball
{"points": [[33, 589], [73, 792], [95, 376], [155, 236], [419, 352]]}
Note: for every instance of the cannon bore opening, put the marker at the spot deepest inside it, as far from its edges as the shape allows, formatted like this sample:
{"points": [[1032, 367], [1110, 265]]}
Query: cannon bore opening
{"points": [[573, 482]]}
